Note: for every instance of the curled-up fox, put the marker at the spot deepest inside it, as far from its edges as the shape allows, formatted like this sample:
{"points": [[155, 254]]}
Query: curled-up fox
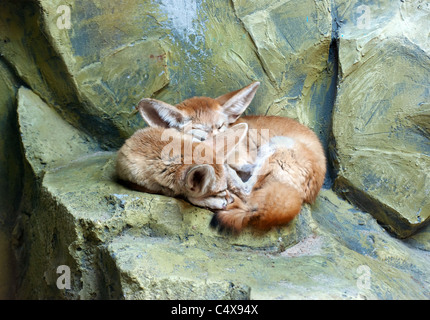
{"points": [[281, 162], [168, 162]]}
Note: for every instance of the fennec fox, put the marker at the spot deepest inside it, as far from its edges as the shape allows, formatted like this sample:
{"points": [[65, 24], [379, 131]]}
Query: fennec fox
{"points": [[282, 163], [169, 162]]}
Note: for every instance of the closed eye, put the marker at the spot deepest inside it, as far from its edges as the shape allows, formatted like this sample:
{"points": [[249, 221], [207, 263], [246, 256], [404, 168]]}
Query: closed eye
{"points": [[198, 135], [223, 192]]}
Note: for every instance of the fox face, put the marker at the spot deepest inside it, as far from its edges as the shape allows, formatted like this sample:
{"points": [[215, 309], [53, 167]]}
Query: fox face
{"points": [[168, 162], [201, 117]]}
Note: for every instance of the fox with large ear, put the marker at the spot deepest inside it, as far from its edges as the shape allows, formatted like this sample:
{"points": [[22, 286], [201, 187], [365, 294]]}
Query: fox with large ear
{"points": [[205, 116], [295, 167], [168, 162]]}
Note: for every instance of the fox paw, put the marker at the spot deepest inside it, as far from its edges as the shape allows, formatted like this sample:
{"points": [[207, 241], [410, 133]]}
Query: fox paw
{"points": [[217, 202]]}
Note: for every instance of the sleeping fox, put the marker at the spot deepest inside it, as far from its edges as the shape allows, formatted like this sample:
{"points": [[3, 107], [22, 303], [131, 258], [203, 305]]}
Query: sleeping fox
{"points": [[281, 162], [169, 162]]}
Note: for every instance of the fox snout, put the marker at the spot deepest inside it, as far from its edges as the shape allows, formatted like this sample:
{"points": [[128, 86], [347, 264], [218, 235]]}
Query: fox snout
{"points": [[218, 201]]}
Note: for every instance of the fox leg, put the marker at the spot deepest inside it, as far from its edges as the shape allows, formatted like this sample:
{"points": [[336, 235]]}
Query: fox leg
{"points": [[257, 170], [233, 218], [235, 183], [219, 201], [275, 204]]}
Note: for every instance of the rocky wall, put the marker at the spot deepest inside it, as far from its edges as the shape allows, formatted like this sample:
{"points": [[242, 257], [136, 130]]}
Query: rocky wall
{"points": [[356, 73]]}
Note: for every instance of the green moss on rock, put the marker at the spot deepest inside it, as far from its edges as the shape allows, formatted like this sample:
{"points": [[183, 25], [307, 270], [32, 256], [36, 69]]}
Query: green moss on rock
{"points": [[84, 82], [382, 149]]}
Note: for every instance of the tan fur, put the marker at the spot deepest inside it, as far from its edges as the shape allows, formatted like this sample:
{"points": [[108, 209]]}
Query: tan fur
{"points": [[284, 182], [294, 172], [291, 176], [304, 164], [140, 163], [275, 204], [206, 113]]}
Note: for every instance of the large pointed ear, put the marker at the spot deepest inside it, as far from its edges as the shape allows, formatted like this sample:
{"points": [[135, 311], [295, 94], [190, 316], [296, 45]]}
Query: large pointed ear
{"points": [[199, 179], [236, 102], [227, 142], [160, 114]]}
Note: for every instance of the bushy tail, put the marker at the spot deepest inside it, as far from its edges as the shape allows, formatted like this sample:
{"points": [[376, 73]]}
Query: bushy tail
{"points": [[316, 173], [314, 184], [273, 205]]}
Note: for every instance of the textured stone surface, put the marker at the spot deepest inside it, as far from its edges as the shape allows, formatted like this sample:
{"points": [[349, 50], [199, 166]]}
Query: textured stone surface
{"points": [[139, 246], [123, 244], [11, 176], [355, 73], [48, 140], [382, 112], [173, 50]]}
